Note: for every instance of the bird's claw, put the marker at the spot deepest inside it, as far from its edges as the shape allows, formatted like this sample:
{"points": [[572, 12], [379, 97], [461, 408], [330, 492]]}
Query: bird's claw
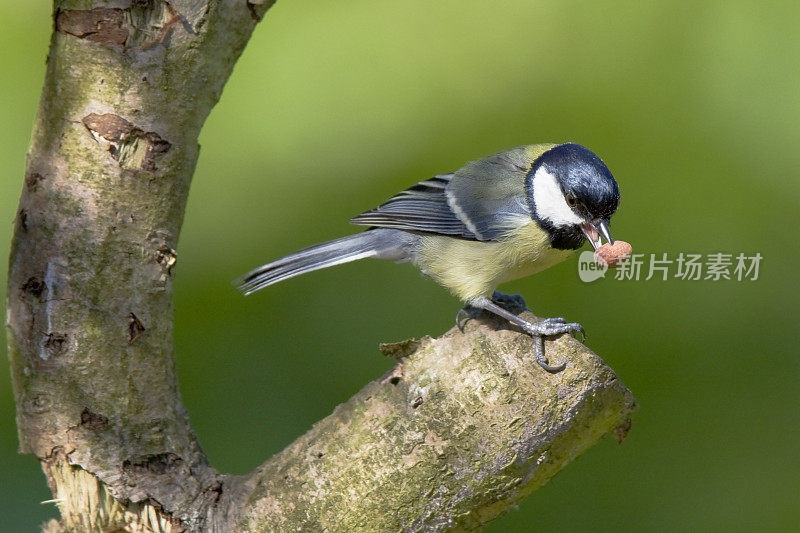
{"points": [[538, 348], [546, 328], [464, 315]]}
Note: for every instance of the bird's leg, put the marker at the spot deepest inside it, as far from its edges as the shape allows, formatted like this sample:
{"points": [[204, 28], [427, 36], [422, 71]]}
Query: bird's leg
{"points": [[514, 303], [544, 328], [510, 304]]}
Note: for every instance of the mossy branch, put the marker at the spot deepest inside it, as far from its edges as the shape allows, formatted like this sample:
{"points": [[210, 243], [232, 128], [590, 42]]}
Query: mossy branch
{"points": [[460, 430]]}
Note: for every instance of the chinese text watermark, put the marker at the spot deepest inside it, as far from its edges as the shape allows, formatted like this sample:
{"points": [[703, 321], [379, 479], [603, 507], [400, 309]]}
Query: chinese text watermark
{"points": [[685, 266]]}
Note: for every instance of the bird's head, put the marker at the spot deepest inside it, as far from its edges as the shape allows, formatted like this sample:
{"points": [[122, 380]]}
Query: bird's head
{"points": [[572, 195]]}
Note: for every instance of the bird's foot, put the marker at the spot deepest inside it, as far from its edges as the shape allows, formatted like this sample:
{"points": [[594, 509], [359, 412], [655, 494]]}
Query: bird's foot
{"points": [[553, 326], [547, 328]]}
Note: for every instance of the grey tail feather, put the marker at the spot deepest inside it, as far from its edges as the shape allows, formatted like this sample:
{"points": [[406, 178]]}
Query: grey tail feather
{"points": [[370, 243]]}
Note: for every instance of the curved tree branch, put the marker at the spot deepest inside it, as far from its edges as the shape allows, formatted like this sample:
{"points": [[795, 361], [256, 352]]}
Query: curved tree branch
{"points": [[460, 430], [457, 433]]}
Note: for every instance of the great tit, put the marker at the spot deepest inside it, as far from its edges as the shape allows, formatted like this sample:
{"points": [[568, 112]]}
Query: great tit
{"points": [[500, 218]]}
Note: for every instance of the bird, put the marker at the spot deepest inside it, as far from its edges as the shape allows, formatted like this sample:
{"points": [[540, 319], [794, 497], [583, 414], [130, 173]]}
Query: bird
{"points": [[496, 219]]}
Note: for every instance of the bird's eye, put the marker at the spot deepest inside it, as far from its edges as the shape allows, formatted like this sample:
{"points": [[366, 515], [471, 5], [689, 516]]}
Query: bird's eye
{"points": [[571, 200]]}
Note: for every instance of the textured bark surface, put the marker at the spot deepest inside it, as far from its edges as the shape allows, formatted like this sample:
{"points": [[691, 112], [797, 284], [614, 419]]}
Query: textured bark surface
{"points": [[461, 429], [129, 84], [455, 435]]}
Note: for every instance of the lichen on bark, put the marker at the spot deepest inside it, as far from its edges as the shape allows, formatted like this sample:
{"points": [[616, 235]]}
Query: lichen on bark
{"points": [[453, 436]]}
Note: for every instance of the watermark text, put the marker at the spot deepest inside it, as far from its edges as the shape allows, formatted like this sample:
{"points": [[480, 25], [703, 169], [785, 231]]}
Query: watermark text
{"points": [[717, 266]]}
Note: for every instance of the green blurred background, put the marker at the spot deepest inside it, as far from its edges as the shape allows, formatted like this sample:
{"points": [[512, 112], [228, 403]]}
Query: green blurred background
{"points": [[334, 106]]}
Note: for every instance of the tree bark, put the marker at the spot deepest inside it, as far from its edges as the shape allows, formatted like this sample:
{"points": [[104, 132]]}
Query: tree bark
{"points": [[457, 433], [463, 427]]}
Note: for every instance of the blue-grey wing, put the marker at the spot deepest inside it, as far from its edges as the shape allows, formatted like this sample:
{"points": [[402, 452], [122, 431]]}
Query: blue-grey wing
{"points": [[484, 200], [423, 207]]}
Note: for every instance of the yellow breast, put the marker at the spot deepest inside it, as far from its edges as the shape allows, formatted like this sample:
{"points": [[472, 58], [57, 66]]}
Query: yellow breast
{"points": [[474, 268]]}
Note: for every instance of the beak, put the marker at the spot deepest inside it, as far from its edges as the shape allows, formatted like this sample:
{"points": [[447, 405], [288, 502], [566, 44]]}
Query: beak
{"points": [[596, 229]]}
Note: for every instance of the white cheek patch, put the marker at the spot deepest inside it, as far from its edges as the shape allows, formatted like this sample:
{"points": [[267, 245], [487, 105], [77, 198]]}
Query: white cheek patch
{"points": [[550, 202]]}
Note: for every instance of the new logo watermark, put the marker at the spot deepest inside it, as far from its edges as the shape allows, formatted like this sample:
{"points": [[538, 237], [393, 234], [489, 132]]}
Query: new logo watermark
{"points": [[685, 266], [589, 269]]}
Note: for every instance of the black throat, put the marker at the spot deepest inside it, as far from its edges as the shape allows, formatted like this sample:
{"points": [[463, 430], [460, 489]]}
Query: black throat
{"points": [[564, 237]]}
